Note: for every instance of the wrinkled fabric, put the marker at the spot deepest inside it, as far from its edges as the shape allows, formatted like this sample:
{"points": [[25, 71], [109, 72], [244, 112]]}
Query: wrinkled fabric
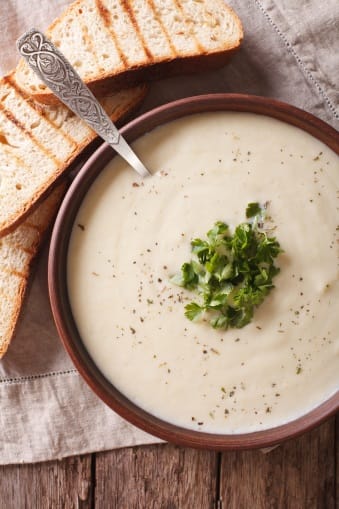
{"points": [[290, 52]]}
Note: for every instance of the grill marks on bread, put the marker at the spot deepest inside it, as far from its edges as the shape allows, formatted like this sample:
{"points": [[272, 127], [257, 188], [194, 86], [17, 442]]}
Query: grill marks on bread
{"points": [[35, 121], [24, 150], [43, 113], [165, 22], [154, 39], [19, 130], [130, 13], [37, 144], [185, 40], [17, 251], [28, 167], [115, 43], [18, 248], [107, 19]]}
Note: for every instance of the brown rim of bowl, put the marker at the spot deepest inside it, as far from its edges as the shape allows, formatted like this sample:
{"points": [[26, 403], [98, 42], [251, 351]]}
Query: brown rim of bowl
{"points": [[58, 287]]}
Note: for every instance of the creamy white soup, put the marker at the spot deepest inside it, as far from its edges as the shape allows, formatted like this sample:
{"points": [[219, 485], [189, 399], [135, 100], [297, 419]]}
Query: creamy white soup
{"points": [[131, 235]]}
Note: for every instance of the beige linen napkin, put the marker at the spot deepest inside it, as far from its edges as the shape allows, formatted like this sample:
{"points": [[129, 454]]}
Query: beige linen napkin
{"points": [[290, 52]]}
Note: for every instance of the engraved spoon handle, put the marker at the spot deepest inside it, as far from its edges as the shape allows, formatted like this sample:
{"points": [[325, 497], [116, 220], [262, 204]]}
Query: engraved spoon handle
{"points": [[57, 73]]}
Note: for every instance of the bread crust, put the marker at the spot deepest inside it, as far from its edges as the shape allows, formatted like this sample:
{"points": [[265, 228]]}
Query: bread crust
{"points": [[152, 69], [13, 283], [135, 97], [130, 78], [23, 233]]}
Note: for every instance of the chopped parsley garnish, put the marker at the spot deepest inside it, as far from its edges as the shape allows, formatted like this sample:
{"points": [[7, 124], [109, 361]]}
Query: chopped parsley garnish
{"points": [[253, 209], [231, 273]]}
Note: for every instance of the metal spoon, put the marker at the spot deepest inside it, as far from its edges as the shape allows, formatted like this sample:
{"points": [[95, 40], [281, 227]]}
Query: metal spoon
{"points": [[57, 73]]}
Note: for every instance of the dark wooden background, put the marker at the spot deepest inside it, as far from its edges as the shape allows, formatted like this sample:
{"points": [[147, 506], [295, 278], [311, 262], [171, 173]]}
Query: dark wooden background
{"points": [[300, 474]]}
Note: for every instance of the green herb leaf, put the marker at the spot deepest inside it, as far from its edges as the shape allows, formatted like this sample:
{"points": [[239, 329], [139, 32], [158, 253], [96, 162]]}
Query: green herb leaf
{"points": [[193, 311], [232, 273], [219, 228], [219, 322], [189, 276], [218, 301], [201, 249], [177, 279], [253, 209]]}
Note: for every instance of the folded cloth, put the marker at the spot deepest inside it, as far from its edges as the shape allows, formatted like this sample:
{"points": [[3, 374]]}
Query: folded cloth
{"points": [[290, 52]]}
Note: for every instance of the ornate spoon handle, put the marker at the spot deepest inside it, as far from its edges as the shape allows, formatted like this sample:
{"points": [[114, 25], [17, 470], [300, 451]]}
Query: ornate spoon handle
{"points": [[58, 74]]}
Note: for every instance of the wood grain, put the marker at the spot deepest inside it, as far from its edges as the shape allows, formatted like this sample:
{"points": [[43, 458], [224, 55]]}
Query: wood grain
{"points": [[299, 474], [53, 485], [156, 477]]}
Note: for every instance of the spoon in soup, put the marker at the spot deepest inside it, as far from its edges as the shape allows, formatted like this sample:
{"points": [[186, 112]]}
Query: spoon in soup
{"points": [[57, 73]]}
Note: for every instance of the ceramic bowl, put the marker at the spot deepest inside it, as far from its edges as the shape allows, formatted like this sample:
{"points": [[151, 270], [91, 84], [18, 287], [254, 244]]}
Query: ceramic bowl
{"points": [[58, 288]]}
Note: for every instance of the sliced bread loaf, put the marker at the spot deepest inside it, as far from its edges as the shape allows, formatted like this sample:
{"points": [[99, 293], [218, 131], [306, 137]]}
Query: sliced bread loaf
{"points": [[17, 251], [118, 43], [37, 144]]}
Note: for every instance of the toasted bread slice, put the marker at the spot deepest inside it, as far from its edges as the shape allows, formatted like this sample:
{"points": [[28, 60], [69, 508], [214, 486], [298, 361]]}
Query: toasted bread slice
{"points": [[118, 43], [37, 144], [17, 251]]}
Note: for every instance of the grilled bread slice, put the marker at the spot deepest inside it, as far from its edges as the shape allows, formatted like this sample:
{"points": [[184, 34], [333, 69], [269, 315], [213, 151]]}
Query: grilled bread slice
{"points": [[119, 43], [17, 251], [38, 143]]}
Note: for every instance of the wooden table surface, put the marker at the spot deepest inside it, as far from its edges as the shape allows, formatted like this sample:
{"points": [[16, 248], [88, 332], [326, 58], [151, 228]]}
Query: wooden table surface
{"points": [[300, 474]]}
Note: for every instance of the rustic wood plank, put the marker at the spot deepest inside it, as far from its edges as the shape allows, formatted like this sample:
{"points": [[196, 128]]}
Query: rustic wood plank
{"points": [[51, 485], [298, 474], [153, 477]]}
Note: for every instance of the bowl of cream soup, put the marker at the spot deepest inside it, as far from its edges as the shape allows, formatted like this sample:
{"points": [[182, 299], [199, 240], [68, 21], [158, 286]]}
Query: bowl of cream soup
{"points": [[119, 240]]}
